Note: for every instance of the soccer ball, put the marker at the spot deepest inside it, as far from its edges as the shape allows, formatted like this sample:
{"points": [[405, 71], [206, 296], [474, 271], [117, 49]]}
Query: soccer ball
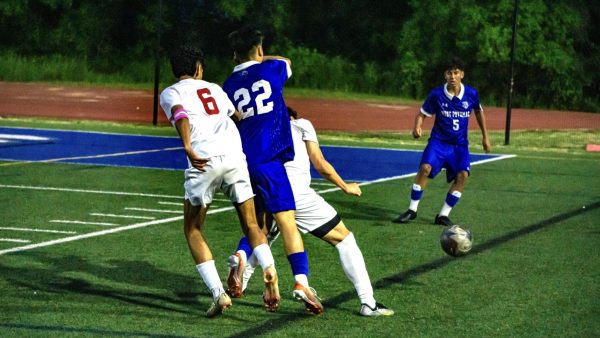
{"points": [[456, 241]]}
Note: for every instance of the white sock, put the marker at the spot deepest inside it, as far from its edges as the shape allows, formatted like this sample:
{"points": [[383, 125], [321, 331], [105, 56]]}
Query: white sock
{"points": [[210, 276], [302, 279], [414, 204], [263, 256], [446, 208], [242, 254], [251, 264], [354, 266]]}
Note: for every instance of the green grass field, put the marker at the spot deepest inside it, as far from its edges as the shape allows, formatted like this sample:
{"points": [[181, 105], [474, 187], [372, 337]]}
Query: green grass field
{"points": [[534, 270]]}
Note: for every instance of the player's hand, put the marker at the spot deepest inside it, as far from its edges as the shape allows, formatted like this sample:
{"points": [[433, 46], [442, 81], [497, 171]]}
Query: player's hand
{"points": [[353, 189], [417, 132], [197, 161], [487, 145]]}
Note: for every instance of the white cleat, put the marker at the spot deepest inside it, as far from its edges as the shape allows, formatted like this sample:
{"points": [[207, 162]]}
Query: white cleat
{"points": [[219, 305], [379, 310]]}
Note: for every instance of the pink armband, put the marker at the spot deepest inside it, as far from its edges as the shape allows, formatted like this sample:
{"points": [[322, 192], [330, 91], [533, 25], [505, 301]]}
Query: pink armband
{"points": [[179, 114]]}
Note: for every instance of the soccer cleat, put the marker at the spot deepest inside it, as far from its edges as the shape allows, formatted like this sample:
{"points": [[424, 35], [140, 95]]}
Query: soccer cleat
{"points": [[234, 280], [273, 234], [271, 295], [219, 305], [309, 297], [407, 216], [379, 310], [443, 220]]}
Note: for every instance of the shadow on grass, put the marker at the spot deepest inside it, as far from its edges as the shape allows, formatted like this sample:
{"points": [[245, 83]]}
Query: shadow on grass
{"points": [[405, 276], [52, 276]]}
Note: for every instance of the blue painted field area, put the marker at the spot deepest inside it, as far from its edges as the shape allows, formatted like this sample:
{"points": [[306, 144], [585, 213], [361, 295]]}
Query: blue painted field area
{"points": [[22, 144]]}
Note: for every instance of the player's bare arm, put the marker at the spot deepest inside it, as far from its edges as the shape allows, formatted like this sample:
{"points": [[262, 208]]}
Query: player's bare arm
{"points": [[480, 116], [183, 128], [418, 128], [325, 169]]}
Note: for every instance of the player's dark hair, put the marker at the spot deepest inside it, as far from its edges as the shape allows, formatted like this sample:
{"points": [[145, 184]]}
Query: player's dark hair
{"points": [[292, 112], [244, 40], [185, 59], [454, 63]]}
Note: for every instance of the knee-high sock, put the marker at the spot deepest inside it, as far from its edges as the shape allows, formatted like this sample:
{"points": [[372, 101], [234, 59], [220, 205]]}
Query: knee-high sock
{"points": [[415, 197], [451, 200], [299, 263], [354, 266], [210, 276]]}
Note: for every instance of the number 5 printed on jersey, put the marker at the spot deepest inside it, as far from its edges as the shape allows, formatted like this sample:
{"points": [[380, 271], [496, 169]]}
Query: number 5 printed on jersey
{"points": [[243, 99]]}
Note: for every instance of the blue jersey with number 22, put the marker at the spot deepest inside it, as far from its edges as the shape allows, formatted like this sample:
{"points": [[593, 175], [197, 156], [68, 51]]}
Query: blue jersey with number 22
{"points": [[256, 90], [451, 113]]}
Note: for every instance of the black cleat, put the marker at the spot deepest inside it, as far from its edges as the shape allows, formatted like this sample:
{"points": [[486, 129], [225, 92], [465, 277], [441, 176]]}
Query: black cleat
{"points": [[443, 220], [406, 217]]}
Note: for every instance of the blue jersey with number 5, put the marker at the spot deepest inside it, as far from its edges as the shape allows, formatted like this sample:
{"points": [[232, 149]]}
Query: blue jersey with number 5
{"points": [[451, 113], [256, 90]]}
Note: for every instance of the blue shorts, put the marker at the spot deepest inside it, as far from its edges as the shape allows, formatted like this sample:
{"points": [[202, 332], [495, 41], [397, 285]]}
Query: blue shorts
{"points": [[454, 157], [272, 187]]}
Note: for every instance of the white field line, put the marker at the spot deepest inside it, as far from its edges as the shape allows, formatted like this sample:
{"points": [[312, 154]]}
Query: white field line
{"points": [[325, 183], [170, 203], [167, 220], [104, 232], [80, 222], [123, 193], [39, 230], [14, 240], [90, 234], [126, 153], [155, 210], [385, 179], [120, 216]]}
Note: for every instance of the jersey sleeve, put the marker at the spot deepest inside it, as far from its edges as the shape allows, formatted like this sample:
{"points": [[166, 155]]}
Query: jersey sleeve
{"points": [[476, 102], [169, 98], [308, 131], [282, 68], [427, 108]]}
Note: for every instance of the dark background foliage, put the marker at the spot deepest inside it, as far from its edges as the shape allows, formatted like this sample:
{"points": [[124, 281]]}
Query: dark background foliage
{"points": [[382, 47]]}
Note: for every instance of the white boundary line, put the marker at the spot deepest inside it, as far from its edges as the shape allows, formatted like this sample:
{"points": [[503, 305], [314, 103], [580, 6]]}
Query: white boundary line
{"points": [[39, 230], [64, 221], [120, 216], [167, 220], [90, 234], [13, 240], [88, 191]]}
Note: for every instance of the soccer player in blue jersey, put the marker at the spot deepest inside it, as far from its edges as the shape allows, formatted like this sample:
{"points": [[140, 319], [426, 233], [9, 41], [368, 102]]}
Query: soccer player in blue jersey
{"points": [[256, 89], [448, 145]]}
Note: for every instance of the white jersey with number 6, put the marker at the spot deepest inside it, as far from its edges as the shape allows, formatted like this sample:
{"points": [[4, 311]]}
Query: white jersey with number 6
{"points": [[213, 133]]}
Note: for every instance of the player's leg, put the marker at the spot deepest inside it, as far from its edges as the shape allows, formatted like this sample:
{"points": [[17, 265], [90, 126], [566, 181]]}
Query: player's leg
{"points": [[352, 262], [194, 217], [457, 172], [430, 166], [236, 185], [262, 252]]}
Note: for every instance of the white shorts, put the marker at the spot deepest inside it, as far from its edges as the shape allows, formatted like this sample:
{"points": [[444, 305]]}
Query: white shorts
{"points": [[313, 212], [228, 173]]}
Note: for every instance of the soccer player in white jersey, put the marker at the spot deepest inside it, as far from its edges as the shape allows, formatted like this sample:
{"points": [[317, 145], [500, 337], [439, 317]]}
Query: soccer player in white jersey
{"points": [[448, 145], [317, 217], [256, 88], [202, 114]]}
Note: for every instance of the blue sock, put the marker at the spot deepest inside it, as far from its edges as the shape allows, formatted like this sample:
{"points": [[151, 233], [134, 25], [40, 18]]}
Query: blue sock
{"points": [[299, 263], [452, 199], [244, 245], [416, 195]]}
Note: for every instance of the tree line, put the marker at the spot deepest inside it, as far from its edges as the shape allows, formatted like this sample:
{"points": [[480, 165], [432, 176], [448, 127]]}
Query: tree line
{"points": [[380, 47]]}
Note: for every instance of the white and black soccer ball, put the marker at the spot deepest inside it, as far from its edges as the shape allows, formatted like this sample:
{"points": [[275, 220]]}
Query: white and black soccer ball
{"points": [[456, 241]]}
